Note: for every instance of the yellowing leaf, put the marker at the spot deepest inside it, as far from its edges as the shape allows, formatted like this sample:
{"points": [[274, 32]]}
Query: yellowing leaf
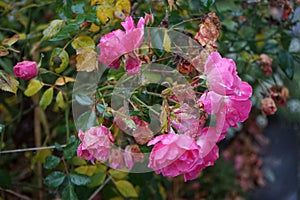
{"points": [[8, 83], [117, 174], [124, 6], [63, 80], [53, 29], [12, 40], [41, 156], [86, 60], [59, 60], [83, 41], [167, 42], [60, 100], [126, 189], [88, 170], [3, 51], [260, 42], [105, 13], [46, 98], [171, 4], [33, 87], [101, 2], [94, 28]]}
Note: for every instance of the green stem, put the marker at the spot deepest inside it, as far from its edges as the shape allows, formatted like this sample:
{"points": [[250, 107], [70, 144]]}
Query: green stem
{"points": [[141, 102], [67, 112], [184, 21]]}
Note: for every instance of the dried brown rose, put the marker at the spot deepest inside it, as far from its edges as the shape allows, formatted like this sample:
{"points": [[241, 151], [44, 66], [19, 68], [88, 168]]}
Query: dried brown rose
{"points": [[208, 30], [266, 62], [279, 94], [268, 106]]}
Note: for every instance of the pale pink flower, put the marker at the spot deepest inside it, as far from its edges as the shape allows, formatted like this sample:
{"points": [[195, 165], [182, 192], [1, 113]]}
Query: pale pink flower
{"points": [[116, 159], [95, 144], [26, 70], [173, 154], [128, 158], [117, 43], [223, 79], [268, 106]]}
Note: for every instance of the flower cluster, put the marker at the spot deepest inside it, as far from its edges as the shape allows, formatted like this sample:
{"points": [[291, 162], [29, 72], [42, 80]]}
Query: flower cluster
{"points": [[186, 144]]}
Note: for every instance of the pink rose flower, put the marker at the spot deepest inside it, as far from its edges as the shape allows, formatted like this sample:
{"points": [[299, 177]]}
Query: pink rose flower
{"points": [[95, 144], [209, 152], [173, 154], [228, 110], [223, 79], [117, 43], [26, 70]]}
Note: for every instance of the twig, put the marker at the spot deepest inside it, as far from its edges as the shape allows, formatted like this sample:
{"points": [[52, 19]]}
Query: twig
{"points": [[30, 149], [16, 194], [100, 188]]}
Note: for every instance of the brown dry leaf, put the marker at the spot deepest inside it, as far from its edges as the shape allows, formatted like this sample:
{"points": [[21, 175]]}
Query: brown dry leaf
{"points": [[86, 60], [63, 80], [171, 4]]}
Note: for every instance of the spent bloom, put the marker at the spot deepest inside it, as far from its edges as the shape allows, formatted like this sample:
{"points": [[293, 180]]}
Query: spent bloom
{"points": [[95, 144], [26, 70], [117, 43], [266, 63], [268, 106], [116, 159]]}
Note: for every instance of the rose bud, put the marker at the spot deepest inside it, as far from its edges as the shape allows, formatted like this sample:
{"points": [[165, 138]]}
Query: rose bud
{"points": [[26, 70]]}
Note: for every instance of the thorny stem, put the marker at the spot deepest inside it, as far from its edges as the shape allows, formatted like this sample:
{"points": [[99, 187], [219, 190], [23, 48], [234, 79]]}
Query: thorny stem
{"points": [[141, 102], [184, 21], [100, 188], [30, 149]]}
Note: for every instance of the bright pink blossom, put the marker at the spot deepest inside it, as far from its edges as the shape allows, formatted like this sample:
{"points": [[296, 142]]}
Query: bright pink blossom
{"points": [[223, 79], [95, 144], [26, 70], [228, 110], [173, 154], [117, 43], [209, 152]]}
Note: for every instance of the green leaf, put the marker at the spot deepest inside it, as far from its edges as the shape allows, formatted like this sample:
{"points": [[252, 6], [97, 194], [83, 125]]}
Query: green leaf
{"points": [[97, 179], [68, 193], [286, 63], [126, 188], [83, 99], [71, 147], [78, 179], [59, 60], [8, 83], [101, 108], [60, 100], [53, 29], [207, 3], [5, 179], [33, 87], [83, 41], [78, 8], [86, 120], [55, 179], [46, 98], [51, 162]]}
